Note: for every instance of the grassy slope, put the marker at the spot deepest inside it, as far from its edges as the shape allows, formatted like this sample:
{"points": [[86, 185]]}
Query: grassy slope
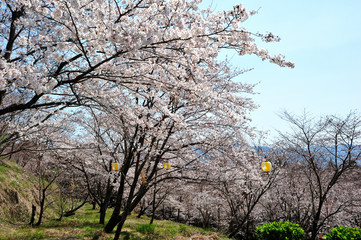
{"points": [[16, 196], [17, 192]]}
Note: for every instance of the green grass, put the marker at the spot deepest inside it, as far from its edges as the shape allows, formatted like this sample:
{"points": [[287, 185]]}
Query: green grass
{"points": [[7, 165], [29, 235], [13, 183], [84, 225], [146, 228]]}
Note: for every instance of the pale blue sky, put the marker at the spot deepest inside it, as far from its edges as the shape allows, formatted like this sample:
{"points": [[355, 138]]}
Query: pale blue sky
{"points": [[323, 38]]}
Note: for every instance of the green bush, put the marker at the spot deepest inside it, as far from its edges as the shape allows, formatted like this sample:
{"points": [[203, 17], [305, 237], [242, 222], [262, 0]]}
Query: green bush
{"points": [[344, 233], [280, 231], [145, 228]]}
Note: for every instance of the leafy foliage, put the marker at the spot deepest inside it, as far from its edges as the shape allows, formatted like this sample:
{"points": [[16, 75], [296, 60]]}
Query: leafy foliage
{"points": [[280, 231], [344, 233]]}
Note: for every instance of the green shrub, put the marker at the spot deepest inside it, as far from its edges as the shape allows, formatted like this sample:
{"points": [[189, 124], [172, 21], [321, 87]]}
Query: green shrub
{"points": [[145, 228], [280, 231], [344, 233]]}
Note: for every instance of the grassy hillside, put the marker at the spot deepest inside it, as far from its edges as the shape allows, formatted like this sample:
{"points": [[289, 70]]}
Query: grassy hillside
{"points": [[17, 193]]}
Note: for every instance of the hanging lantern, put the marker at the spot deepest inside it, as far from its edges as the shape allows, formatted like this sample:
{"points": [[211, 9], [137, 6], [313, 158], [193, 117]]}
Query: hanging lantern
{"points": [[166, 165], [266, 166], [115, 166]]}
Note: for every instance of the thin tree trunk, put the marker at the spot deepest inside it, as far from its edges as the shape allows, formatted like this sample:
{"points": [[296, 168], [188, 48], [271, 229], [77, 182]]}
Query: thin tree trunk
{"points": [[33, 211], [154, 198], [72, 212], [104, 205], [141, 212], [42, 203]]}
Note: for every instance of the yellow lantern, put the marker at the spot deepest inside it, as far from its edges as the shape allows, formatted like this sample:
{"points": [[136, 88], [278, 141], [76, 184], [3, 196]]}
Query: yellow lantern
{"points": [[266, 166], [115, 166], [166, 165]]}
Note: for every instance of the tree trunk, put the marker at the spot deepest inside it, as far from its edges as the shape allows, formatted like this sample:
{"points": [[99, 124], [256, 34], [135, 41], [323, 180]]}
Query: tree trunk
{"points": [[154, 198], [103, 211], [113, 221], [142, 211], [314, 229], [72, 211], [42, 203], [316, 218], [115, 218], [105, 203], [33, 211], [238, 226], [128, 208], [123, 217]]}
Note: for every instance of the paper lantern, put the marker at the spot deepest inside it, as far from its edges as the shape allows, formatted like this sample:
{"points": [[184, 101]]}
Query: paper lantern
{"points": [[115, 166], [266, 166], [166, 165]]}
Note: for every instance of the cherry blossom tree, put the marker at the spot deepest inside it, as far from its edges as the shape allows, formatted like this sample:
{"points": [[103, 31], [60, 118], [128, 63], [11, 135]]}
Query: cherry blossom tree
{"points": [[147, 69], [288, 200], [326, 150], [46, 174], [235, 175], [72, 190], [52, 52], [221, 191], [93, 158]]}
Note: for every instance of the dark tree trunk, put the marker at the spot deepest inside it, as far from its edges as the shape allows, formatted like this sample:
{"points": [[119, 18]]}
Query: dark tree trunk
{"points": [[33, 211], [113, 221], [105, 203], [128, 208], [314, 228], [142, 212], [115, 217], [42, 203], [154, 198], [72, 212], [123, 217], [103, 211]]}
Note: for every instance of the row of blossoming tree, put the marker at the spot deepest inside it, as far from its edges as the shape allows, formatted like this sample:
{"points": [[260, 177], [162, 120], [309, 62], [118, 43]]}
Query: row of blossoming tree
{"points": [[88, 84]]}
